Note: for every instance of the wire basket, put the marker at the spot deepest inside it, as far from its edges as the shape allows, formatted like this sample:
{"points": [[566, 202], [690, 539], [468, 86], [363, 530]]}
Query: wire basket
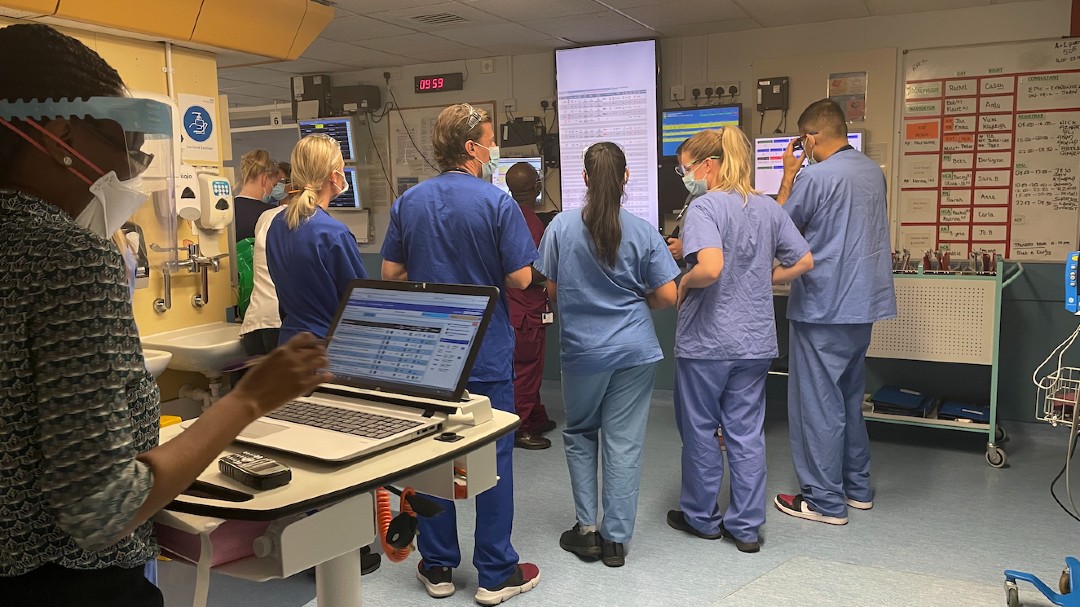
{"points": [[1058, 399]]}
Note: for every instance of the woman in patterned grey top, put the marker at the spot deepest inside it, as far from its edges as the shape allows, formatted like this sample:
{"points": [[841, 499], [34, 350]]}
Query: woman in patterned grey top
{"points": [[81, 472]]}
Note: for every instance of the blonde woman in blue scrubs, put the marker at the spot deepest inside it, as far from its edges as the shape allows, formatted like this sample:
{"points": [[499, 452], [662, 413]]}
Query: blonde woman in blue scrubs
{"points": [[606, 269], [725, 337]]}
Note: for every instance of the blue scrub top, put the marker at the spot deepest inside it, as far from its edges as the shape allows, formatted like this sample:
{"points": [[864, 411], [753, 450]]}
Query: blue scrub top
{"points": [[840, 206], [604, 320], [733, 317], [455, 228], [311, 267]]}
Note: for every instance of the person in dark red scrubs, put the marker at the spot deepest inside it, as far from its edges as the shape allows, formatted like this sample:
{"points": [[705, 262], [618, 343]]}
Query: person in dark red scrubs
{"points": [[528, 308]]}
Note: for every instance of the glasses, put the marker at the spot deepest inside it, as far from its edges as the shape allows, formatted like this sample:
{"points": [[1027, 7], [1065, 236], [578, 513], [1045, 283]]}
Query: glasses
{"points": [[475, 117], [138, 160], [682, 169]]}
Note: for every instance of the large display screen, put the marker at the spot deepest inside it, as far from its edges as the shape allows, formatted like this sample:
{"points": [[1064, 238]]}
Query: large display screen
{"points": [[676, 126], [608, 93], [769, 159]]}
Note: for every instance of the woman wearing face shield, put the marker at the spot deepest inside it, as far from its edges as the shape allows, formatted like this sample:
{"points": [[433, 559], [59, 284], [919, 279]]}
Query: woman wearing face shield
{"points": [[260, 178], [312, 257], [83, 472]]}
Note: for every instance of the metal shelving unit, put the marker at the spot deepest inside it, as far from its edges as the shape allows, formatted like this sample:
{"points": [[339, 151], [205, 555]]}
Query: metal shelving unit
{"points": [[947, 318]]}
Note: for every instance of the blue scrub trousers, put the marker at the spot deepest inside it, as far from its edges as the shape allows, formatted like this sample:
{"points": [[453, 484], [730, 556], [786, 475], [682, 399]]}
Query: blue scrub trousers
{"points": [[731, 394], [609, 410], [829, 444], [493, 556]]}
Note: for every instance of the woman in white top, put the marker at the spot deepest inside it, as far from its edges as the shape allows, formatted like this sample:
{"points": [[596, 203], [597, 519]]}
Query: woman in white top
{"points": [[262, 320]]}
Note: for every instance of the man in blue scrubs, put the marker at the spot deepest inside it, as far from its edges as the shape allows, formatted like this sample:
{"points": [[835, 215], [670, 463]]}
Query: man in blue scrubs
{"points": [[840, 205], [458, 228]]}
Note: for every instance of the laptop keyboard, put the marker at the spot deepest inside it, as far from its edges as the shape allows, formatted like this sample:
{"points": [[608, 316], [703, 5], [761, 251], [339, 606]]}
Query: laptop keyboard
{"points": [[346, 421]]}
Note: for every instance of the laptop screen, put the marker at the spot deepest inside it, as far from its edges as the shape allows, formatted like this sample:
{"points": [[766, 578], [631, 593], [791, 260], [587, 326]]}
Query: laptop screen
{"points": [[410, 338]]}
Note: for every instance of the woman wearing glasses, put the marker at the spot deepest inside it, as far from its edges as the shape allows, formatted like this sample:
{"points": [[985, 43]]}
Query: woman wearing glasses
{"points": [[312, 256], [725, 337], [606, 268]]}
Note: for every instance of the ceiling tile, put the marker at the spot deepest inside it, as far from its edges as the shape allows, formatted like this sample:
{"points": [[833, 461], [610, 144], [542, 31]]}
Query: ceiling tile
{"points": [[406, 17], [246, 100], [703, 29], [772, 13], [891, 7], [581, 28], [366, 7], [624, 4], [529, 10], [330, 50], [483, 35], [526, 48], [687, 12], [366, 57], [419, 42], [440, 56], [356, 28], [307, 66]]}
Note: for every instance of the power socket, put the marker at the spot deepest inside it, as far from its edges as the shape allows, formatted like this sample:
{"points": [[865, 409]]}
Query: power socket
{"points": [[510, 105], [678, 92], [723, 88]]}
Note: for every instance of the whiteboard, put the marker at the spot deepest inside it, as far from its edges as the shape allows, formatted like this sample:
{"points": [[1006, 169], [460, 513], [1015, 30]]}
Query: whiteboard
{"points": [[990, 150], [412, 154]]}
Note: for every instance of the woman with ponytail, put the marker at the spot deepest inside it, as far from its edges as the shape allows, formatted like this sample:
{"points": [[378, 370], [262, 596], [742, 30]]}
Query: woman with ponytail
{"points": [[260, 179], [606, 268], [312, 256], [725, 337]]}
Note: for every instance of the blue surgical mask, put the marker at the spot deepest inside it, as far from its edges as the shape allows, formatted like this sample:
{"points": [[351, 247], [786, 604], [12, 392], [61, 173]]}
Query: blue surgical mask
{"points": [[696, 187], [488, 168], [278, 193]]}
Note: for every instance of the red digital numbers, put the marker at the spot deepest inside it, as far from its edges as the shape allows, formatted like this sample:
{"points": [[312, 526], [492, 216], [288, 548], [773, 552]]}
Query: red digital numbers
{"points": [[438, 83]]}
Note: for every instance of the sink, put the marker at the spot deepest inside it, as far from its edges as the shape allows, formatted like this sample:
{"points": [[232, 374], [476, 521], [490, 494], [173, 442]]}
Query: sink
{"points": [[156, 360], [202, 348]]}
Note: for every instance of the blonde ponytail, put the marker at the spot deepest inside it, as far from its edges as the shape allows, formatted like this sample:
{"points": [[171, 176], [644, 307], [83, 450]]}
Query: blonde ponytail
{"points": [[254, 165], [314, 158], [732, 148]]}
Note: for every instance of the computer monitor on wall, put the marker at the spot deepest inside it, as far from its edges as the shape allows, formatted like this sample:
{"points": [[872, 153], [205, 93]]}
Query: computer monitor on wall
{"points": [[678, 125], [350, 200], [341, 129], [498, 179], [769, 159]]}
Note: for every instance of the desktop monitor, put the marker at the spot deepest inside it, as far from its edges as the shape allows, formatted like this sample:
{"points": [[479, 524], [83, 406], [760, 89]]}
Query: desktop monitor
{"points": [[341, 129], [349, 200], [769, 159], [504, 164], [678, 125]]}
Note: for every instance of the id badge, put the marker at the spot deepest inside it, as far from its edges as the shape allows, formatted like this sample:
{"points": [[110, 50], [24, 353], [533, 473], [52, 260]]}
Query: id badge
{"points": [[547, 318]]}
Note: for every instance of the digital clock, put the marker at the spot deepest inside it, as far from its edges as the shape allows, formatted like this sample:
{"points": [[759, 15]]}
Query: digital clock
{"points": [[440, 82]]}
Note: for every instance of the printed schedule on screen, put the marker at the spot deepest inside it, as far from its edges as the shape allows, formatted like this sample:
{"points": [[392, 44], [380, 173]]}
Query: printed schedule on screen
{"points": [[608, 93]]}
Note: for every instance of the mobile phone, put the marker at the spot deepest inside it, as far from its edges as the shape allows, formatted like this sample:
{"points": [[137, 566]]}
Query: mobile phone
{"points": [[254, 470], [798, 144]]}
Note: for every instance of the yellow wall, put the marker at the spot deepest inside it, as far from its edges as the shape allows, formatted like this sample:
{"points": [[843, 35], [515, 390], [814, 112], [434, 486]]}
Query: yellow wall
{"points": [[141, 64]]}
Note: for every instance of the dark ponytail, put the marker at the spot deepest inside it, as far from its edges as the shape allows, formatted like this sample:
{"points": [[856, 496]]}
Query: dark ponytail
{"points": [[605, 166]]}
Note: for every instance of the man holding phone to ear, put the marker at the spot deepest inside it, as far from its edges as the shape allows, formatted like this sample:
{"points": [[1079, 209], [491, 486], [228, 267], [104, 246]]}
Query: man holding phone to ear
{"points": [[839, 203]]}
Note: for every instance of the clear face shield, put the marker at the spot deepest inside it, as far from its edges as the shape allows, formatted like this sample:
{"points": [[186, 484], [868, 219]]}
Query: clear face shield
{"points": [[131, 175]]}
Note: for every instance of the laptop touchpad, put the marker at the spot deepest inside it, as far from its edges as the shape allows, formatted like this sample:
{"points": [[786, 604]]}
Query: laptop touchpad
{"points": [[260, 429]]}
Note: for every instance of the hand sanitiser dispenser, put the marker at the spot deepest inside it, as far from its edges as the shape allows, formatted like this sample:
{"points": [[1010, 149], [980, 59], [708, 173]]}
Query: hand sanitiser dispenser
{"points": [[1072, 300], [215, 199]]}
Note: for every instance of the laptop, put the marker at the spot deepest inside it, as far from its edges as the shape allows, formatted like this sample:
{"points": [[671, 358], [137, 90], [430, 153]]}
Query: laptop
{"points": [[401, 353]]}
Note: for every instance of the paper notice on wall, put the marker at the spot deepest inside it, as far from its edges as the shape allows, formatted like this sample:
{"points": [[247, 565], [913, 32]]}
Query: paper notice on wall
{"points": [[917, 239], [919, 206], [848, 89], [199, 142], [920, 172]]}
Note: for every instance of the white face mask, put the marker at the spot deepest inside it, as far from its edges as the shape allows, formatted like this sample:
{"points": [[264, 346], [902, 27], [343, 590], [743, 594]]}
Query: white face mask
{"points": [[114, 203]]}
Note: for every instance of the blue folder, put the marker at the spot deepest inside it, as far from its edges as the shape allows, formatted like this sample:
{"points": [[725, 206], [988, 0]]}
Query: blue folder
{"points": [[901, 401], [951, 409]]}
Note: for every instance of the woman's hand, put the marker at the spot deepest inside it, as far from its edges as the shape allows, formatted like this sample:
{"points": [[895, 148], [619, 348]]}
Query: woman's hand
{"points": [[291, 370]]}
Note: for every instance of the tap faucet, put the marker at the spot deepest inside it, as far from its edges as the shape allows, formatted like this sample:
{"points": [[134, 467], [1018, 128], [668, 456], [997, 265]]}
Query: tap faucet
{"points": [[196, 263]]}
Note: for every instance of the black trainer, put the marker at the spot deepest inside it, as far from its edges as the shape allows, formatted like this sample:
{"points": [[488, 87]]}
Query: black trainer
{"points": [[585, 545], [369, 561], [613, 554], [438, 581], [749, 547], [677, 520]]}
